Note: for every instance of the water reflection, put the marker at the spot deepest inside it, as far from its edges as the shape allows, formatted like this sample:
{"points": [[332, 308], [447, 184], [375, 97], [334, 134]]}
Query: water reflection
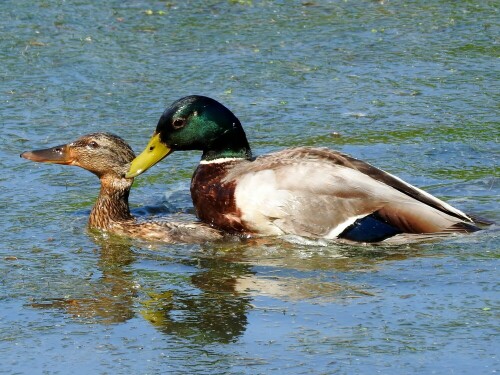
{"points": [[210, 298], [214, 312], [114, 291], [208, 309]]}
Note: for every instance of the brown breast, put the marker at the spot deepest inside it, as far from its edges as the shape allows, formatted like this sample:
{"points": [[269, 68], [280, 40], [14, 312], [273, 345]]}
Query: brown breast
{"points": [[214, 200]]}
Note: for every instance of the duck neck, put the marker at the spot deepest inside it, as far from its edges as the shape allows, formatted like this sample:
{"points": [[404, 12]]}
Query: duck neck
{"points": [[112, 203], [232, 144]]}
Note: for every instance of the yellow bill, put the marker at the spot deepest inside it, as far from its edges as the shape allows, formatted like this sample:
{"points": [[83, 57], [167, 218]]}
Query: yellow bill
{"points": [[152, 154]]}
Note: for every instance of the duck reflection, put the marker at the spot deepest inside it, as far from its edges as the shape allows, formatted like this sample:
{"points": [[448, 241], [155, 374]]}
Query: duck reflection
{"points": [[204, 307], [113, 293], [214, 312], [209, 300]]}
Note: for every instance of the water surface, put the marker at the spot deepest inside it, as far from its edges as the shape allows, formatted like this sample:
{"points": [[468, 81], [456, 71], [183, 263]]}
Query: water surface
{"points": [[411, 87]]}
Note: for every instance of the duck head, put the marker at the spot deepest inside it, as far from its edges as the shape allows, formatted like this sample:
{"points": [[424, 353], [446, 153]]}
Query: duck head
{"points": [[103, 154], [194, 123]]}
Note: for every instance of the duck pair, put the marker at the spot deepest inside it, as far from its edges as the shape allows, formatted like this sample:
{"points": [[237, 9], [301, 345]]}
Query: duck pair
{"points": [[304, 191]]}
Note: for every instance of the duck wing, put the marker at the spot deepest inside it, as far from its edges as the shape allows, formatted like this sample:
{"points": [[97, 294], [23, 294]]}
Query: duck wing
{"points": [[322, 193]]}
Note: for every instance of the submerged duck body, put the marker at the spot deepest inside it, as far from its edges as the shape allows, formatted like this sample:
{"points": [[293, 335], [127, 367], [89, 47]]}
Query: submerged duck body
{"points": [[108, 156], [312, 192]]}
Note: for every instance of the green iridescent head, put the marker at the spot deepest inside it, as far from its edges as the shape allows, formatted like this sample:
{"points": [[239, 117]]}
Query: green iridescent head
{"points": [[194, 123]]}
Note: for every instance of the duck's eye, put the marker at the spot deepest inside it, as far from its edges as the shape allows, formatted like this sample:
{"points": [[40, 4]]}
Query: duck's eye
{"points": [[178, 123], [93, 144]]}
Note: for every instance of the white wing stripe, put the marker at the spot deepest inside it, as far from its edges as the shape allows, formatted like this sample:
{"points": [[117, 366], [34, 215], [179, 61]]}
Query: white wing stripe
{"points": [[335, 232]]}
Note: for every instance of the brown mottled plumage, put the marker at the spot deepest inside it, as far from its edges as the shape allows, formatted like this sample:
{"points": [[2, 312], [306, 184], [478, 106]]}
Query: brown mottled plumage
{"points": [[108, 157]]}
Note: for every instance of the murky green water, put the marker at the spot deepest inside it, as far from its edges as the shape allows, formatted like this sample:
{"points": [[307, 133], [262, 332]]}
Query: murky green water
{"points": [[411, 87]]}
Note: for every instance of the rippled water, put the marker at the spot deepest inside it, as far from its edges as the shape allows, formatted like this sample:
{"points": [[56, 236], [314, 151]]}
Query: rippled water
{"points": [[411, 87]]}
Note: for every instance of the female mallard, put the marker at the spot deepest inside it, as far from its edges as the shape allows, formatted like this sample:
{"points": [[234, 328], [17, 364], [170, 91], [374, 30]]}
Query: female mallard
{"points": [[108, 157], [313, 192]]}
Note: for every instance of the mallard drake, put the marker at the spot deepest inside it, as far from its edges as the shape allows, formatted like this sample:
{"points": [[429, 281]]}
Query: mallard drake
{"points": [[311, 192], [108, 156]]}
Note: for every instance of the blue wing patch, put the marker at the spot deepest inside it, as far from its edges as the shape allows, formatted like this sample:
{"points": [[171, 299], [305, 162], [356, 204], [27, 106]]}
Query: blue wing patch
{"points": [[371, 228]]}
